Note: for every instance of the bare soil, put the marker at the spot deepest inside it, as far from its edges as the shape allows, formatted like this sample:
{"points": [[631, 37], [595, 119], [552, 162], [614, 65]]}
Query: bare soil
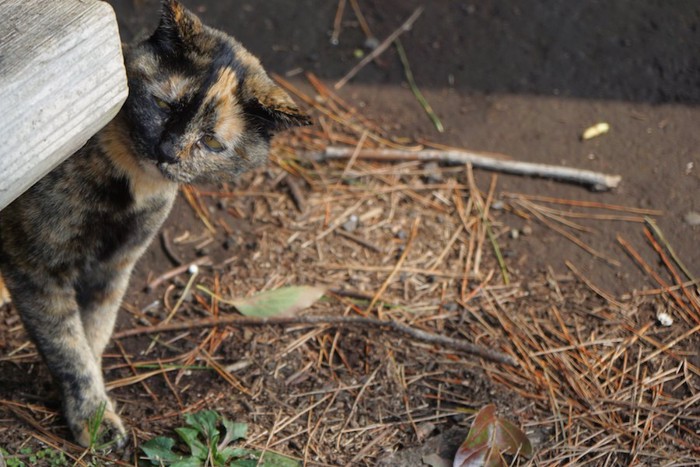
{"points": [[600, 382]]}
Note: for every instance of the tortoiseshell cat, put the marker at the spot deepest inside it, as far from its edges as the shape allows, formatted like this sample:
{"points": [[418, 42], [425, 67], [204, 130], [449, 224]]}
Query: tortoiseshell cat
{"points": [[200, 108]]}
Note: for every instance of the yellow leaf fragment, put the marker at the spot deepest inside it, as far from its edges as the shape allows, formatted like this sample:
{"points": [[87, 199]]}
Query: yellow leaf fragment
{"points": [[595, 130]]}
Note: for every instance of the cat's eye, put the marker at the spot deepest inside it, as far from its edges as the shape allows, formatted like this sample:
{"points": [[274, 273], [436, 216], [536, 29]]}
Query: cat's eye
{"points": [[212, 143], [161, 103]]}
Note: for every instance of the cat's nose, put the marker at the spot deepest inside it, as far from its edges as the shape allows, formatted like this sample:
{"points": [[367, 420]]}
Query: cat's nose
{"points": [[167, 151]]}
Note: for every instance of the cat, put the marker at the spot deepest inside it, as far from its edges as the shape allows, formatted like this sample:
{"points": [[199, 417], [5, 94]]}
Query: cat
{"points": [[200, 109]]}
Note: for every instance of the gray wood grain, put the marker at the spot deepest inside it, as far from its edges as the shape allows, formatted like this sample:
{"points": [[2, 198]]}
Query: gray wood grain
{"points": [[62, 78]]}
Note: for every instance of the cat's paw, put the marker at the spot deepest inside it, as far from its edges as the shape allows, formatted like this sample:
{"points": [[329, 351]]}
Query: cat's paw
{"points": [[100, 430]]}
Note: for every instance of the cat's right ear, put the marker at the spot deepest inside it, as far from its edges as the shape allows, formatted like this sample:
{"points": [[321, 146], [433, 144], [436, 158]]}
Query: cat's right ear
{"points": [[177, 25]]}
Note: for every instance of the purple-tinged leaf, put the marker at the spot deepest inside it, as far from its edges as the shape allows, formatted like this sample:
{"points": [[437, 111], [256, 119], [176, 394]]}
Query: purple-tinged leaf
{"points": [[489, 437]]}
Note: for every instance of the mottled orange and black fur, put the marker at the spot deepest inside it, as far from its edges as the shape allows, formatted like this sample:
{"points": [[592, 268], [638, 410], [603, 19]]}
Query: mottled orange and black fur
{"points": [[200, 108]]}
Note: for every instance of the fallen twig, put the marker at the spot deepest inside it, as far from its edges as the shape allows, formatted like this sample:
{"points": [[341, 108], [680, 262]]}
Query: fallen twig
{"points": [[235, 320], [595, 180], [380, 48]]}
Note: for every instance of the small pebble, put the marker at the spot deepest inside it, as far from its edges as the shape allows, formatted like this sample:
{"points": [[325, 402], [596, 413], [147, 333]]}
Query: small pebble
{"points": [[433, 174], [498, 205], [527, 230], [514, 234], [664, 319], [692, 218], [371, 43], [450, 306], [351, 224]]}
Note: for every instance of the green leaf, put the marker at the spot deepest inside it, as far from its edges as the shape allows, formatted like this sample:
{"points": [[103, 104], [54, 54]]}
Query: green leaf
{"points": [[235, 430], [489, 437], [205, 422], [190, 437], [189, 462], [238, 452], [159, 450], [280, 302], [227, 453], [244, 463], [272, 459]]}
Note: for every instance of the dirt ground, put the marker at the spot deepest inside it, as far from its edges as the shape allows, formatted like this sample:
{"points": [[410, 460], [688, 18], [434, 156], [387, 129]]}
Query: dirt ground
{"points": [[520, 79]]}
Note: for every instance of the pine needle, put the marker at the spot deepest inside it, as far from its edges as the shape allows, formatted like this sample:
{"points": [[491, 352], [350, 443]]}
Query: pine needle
{"points": [[414, 87]]}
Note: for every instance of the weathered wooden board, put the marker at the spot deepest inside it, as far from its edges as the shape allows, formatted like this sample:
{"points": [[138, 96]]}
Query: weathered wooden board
{"points": [[62, 78]]}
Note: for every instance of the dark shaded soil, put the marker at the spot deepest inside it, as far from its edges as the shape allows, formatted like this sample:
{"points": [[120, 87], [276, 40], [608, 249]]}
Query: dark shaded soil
{"points": [[523, 80]]}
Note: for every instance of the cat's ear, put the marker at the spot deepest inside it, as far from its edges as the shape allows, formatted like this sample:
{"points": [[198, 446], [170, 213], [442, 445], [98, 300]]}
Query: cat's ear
{"points": [[177, 24], [272, 106]]}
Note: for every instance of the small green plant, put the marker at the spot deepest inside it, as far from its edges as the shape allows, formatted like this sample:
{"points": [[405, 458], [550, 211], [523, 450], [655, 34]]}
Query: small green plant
{"points": [[94, 424], [207, 444], [46, 456]]}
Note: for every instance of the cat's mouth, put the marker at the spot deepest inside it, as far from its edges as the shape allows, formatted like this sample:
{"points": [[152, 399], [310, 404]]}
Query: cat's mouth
{"points": [[173, 172]]}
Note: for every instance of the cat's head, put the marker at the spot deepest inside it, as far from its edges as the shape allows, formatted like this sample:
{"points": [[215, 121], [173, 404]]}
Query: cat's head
{"points": [[200, 106]]}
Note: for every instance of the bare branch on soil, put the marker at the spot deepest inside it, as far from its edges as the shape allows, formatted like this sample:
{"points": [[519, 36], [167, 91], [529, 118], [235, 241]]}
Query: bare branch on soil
{"points": [[595, 180], [395, 326]]}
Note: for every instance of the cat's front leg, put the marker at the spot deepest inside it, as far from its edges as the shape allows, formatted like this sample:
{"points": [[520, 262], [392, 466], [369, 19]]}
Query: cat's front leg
{"points": [[53, 321], [99, 293]]}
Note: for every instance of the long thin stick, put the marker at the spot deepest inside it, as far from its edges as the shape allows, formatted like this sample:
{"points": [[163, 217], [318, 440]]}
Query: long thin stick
{"points": [[395, 326], [380, 48], [595, 180]]}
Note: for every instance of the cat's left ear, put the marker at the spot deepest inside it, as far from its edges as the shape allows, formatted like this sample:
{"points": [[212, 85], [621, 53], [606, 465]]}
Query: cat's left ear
{"points": [[273, 106], [177, 23]]}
